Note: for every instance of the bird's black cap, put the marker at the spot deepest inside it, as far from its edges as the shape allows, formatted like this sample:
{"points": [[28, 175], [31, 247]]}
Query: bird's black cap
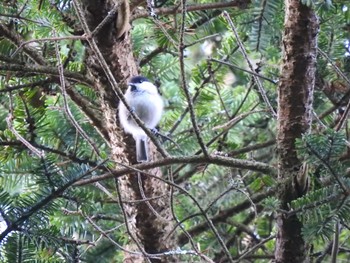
{"points": [[138, 79]]}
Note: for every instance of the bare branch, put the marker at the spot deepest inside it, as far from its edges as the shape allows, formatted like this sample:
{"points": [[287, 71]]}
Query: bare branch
{"points": [[53, 71], [211, 159]]}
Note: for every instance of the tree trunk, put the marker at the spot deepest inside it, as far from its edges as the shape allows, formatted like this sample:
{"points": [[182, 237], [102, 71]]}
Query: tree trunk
{"points": [[148, 222], [295, 92]]}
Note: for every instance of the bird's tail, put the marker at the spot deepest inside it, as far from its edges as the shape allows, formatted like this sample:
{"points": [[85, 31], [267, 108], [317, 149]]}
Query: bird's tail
{"points": [[141, 149]]}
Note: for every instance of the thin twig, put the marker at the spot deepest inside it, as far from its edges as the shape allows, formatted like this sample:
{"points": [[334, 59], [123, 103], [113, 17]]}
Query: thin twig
{"points": [[228, 125], [183, 115], [152, 14], [172, 206], [314, 205], [26, 85], [103, 233], [318, 119], [222, 214], [146, 255], [125, 216], [340, 181], [145, 199], [9, 121], [104, 189], [340, 102], [184, 82], [193, 117], [343, 118], [196, 95], [202, 211], [38, 69], [245, 70], [65, 102], [202, 39], [245, 55], [107, 19], [335, 246], [251, 148], [179, 223], [47, 39], [212, 77], [262, 242], [146, 59], [259, 20], [214, 139], [19, 17], [336, 68]]}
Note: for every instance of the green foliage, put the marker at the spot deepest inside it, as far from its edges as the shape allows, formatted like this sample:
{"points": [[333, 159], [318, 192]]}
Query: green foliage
{"points": [[321, 208], [30, 208], [53, 216], [322, 148], [265, 28]]}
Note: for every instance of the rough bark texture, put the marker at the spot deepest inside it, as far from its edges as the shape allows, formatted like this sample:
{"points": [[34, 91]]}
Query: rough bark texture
{"points": [[294, 118], [150, 229]]}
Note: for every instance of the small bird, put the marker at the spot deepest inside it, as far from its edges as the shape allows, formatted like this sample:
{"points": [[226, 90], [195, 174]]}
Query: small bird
{"points": [[145, 101]]}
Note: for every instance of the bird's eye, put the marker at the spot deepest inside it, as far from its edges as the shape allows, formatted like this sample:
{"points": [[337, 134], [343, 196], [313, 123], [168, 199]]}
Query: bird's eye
{"points": [[141, 80]]}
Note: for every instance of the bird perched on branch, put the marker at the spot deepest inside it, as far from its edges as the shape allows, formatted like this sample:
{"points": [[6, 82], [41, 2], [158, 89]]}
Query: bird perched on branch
{"points": [[146, 103]]}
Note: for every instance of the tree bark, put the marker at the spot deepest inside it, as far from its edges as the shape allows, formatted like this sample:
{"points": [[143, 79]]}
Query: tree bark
{"points": [[148, 222], [295, 93]]}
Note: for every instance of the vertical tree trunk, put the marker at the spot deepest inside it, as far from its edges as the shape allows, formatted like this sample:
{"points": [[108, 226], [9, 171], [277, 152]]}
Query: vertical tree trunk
{"points": [[295, 92], [149, 223]]}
